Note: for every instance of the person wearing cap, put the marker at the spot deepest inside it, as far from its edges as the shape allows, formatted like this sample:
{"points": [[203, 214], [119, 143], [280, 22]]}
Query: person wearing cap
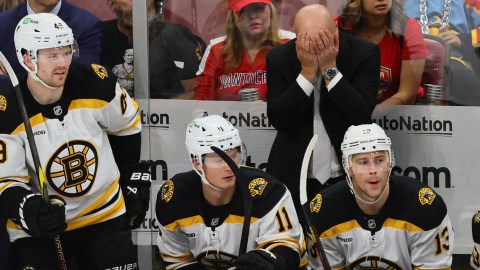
{"points": [[236, 62], [201, 212], [378, 220]]}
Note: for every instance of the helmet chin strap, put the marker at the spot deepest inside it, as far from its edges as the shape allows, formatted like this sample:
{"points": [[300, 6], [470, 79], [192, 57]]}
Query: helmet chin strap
{"points": [[350, 183], [33, 75], [205, 180]]}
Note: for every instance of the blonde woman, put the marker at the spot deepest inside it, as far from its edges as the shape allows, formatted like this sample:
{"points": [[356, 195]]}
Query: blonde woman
{"points": [[401, 44], [237, 60]]}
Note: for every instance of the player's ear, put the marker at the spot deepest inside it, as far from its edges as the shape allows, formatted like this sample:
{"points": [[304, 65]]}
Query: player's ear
{"points": [[196, 164]]}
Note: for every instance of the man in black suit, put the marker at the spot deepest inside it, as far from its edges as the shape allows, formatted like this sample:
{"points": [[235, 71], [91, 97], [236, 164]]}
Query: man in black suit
{"points": [[343, 70]]}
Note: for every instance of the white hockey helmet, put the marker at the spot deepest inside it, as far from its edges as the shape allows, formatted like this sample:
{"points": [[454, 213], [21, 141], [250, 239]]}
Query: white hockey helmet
{"points": [[213, 130], [41, 31], [363, 139]]}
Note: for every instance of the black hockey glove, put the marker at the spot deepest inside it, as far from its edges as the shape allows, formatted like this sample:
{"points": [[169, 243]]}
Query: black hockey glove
{"points": [[260, 259], [41, 219], [136, 191]]}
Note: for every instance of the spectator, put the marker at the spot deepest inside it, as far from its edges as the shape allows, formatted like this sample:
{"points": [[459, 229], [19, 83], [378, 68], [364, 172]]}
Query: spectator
{"points": [[124, 71], [237, 61], [91, 173], [458, 23], [389, 222], [475, 257], [401, 44], [346, 93], [201, 211], [86, 28], [117, 35], [174, 55]]}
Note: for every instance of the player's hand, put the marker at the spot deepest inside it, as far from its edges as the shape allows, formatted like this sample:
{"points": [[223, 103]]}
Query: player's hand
{"points": [[260, 259], [136, 191], [450, 37], [41, 219]]}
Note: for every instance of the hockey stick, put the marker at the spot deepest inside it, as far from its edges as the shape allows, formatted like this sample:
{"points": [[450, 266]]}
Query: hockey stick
{"points": [[305, 206], [39, 185], [248, 201]]}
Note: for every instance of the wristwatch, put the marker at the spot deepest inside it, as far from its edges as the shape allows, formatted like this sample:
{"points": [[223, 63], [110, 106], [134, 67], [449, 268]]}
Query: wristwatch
{"points": [[330, 73]]}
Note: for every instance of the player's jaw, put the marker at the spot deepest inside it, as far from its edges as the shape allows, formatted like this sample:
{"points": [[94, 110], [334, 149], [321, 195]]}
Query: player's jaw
{"points": [[370, 187], [56, 77]]}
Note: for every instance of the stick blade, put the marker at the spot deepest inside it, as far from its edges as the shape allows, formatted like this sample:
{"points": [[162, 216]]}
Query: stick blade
{"points": [[303, 172]]}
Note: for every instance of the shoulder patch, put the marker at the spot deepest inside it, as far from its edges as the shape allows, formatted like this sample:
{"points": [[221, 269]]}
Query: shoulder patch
{"points": [[167, 191], [316, 203], [426, 196], [476, 218], [3, 103], [100, 71], [257, 186]]}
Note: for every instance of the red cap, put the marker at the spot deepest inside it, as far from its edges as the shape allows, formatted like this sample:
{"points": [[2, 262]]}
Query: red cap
{"points": [[237, 5]]}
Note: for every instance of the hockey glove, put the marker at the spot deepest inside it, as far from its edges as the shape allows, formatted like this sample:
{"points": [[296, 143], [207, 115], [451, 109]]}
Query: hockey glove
{"points": [[260, 259], [136, 191], [41, 219]]}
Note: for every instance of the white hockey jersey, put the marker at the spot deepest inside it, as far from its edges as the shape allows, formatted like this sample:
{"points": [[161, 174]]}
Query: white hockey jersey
{"points": [[475, 257], [412, 231], [192, 231], [72, 143]]}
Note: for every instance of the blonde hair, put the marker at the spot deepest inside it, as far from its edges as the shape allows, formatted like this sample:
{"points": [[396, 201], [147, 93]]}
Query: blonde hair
{"points": [[352, 17], [233, 49]]}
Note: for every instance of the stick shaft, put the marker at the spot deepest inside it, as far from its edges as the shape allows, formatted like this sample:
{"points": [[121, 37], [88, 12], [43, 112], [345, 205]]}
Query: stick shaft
{"points": [[248, 201], [38, 185], [311, 231]]}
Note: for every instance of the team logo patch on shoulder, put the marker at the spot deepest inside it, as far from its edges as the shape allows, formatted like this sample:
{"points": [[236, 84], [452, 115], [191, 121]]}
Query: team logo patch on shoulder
{"points": [[100, 71], [476, 218], [3, 103], [316, 203], [167, 191], [257, 186], [426, 196]]}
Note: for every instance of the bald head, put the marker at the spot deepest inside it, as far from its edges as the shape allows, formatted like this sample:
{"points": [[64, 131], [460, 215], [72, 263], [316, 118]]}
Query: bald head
{"points": [[313, 18]]}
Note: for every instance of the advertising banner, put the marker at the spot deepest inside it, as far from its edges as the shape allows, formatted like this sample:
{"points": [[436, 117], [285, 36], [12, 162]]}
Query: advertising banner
{"points": [[434, 144]]}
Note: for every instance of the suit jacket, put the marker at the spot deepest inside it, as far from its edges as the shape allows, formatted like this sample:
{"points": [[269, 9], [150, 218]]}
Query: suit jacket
{"points": [[350, 102], [87, 31]]}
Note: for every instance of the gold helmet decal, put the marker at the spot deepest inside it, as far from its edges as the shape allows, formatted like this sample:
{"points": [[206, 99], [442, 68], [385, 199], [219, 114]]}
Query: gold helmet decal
{"points": [[3, 103], [316, 203], [426, 196], [167, 191], [476, 218], [100, 70], [257, 186]]}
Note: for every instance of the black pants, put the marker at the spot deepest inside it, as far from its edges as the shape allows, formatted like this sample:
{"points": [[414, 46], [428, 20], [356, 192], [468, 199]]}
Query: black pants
{"points": [[98, 247]]}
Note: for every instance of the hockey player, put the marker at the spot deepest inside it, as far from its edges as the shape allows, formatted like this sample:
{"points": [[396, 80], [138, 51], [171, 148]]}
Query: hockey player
{"points": [[378, 221], [475, 257], [201, 212], [84, 125]]}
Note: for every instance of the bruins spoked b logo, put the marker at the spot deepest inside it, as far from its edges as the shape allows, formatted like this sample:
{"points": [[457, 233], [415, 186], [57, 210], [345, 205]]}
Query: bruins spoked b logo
{"points": [[72, 168]]}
